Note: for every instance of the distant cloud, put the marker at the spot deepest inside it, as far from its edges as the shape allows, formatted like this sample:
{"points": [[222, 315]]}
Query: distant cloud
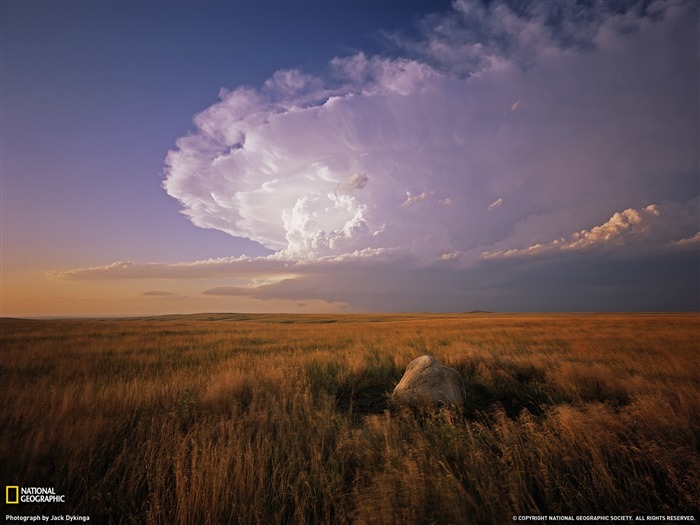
{"points": [[356, 181], [236, 291], [320, 167], [258, 271], [264, 291], [617, 231], [158, 293], [415, 199], [449, 256], [495, 204], [689, 241], [227, 267], [305, 288], [636, 222]]}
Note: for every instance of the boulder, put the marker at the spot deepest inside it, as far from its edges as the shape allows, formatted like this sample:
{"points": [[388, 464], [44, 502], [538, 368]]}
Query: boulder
{"points": [[428, 382]]}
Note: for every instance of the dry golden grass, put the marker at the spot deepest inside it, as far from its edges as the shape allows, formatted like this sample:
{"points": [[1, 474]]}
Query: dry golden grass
{"points": [[283, 419]]}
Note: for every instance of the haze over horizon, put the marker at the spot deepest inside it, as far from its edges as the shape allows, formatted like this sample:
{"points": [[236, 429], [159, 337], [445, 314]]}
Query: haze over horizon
{"points": [[181, 157]]}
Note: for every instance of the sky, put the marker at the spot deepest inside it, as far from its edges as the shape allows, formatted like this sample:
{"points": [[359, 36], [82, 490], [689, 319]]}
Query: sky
{"points": [[329, 156]]}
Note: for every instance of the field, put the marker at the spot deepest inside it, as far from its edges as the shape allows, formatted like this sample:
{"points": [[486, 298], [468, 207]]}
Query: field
{"points": [[285, 419]]}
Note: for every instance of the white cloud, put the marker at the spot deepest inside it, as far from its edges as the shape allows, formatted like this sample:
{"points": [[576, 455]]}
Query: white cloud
{"points": [[621, 224], [450, 256], [495, 204], [356, 181], [617, 231], [256, 271], [226, 267], [321, 167], [415, 199]]}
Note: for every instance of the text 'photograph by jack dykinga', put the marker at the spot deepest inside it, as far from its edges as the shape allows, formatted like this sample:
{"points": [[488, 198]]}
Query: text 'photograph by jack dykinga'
{"points": [[338, 262]]}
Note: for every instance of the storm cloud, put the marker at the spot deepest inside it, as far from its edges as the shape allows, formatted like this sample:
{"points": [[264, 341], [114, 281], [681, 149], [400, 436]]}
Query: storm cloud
{"points": [[556, 139], [535, 121]]}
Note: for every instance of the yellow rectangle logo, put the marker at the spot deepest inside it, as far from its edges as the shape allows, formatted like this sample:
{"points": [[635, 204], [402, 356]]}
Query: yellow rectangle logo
{"points": [[11, 494]]}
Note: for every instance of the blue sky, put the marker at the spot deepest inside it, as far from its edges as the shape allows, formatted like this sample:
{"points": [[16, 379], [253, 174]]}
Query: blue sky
{"points": [[348, 156]]}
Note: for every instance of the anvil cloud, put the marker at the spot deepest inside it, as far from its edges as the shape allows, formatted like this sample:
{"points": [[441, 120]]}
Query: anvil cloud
{"points": [[514, 134], [497, 139]]}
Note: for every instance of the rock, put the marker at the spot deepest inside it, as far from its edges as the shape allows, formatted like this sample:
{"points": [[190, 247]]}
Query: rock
{"points": [[428, 381]]}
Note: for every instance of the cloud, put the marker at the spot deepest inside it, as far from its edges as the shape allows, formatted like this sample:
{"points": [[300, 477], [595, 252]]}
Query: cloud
{"points": [[284, 288], [450, 256], [415, 199], [619, 230], [382, 180], [320, 166], [158, 293], [620, 225], [226, 267], [257, 271], [689, 241], [356, 181], [495, 204]]}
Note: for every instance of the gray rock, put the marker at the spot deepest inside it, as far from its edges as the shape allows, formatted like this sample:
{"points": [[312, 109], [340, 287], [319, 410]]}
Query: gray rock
{"points": [[427, 381]]}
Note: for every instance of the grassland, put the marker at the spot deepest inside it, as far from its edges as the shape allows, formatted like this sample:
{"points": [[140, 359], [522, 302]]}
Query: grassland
{"points": [[284, 419]]}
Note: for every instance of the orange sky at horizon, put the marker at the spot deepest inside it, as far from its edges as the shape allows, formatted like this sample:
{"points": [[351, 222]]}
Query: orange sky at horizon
{"points": [[30, 293]]}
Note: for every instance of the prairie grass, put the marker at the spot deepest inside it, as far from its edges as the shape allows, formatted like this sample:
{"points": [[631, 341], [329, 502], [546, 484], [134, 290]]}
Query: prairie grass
{"points": [[284, 419]]}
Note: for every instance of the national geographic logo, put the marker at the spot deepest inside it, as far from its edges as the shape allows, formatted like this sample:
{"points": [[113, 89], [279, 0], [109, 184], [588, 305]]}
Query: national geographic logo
{"points": [[15, 494], [11, 494]]}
